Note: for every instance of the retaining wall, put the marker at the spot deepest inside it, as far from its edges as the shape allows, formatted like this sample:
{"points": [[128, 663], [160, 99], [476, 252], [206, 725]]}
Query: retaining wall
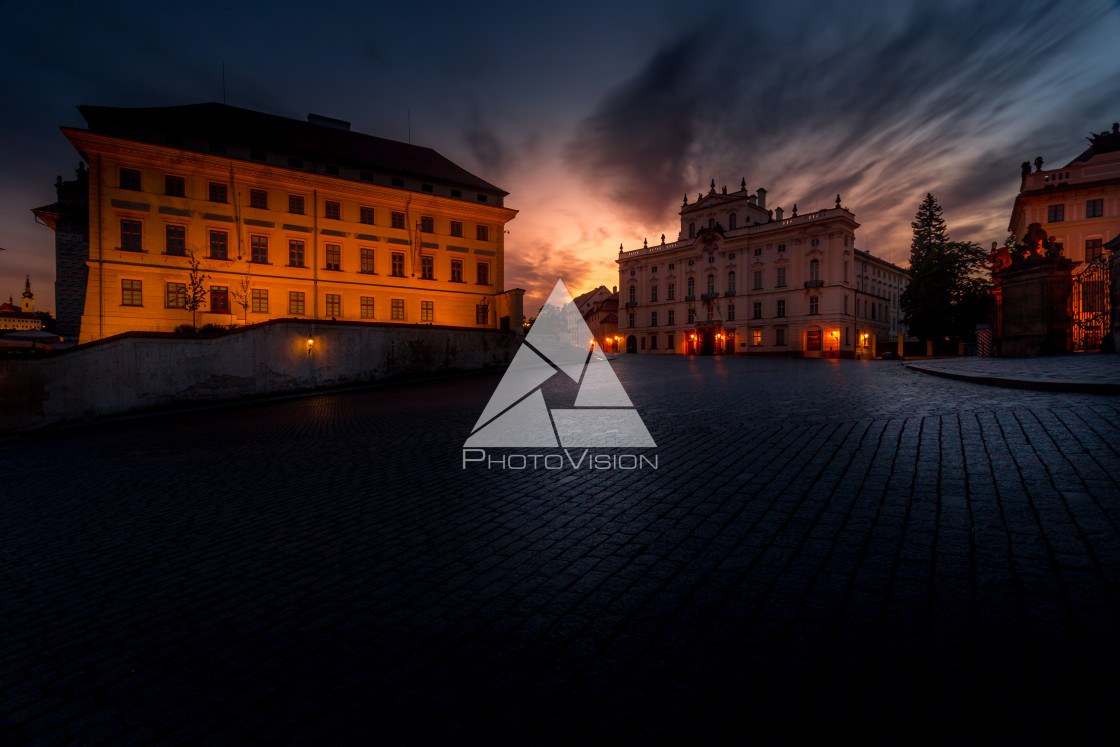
{"points": [[136, 372]]}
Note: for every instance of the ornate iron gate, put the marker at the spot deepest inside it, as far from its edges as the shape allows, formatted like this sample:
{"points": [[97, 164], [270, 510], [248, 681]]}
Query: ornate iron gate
{"points": [[1091, 306]]}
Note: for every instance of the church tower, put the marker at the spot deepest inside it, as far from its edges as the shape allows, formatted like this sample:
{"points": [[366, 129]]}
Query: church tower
{"points": [[28, 297]]}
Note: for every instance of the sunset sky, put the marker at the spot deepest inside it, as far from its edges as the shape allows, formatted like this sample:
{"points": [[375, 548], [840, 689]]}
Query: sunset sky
{"points": [[596, 117]]}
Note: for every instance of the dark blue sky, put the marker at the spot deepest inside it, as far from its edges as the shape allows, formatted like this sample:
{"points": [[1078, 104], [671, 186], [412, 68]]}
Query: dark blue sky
{"points": [[596, 117]]}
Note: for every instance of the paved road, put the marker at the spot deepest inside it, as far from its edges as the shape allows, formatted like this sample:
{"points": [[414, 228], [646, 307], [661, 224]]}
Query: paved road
{"points": [[828, 549]]}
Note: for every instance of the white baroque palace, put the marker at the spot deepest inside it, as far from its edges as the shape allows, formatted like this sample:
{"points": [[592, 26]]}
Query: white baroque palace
{"points": [[744, 279]]}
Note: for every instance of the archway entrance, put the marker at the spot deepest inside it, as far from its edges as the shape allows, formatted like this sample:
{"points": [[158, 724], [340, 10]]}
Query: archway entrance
{"points": [[631, 344]]}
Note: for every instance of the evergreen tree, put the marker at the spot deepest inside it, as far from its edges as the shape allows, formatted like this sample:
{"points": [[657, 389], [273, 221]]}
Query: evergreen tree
{"points": [[948, 294], [929, 229]]}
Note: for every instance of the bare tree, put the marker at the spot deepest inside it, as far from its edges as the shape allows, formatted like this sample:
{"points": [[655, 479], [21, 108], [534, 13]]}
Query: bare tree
{"points": [[196, 288], [242, 292]]}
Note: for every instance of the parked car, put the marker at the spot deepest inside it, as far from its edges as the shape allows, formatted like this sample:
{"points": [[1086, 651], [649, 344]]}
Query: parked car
{"points": [[890, 355]]}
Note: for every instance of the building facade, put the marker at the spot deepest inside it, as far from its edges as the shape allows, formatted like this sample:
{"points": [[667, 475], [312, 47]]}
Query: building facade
{"points": [[744, 279], [213, 214], [599, 309], [1077, 204]]}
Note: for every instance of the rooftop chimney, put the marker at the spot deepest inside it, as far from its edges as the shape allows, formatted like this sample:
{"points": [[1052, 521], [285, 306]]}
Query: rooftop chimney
{"points": [[762, 198]]}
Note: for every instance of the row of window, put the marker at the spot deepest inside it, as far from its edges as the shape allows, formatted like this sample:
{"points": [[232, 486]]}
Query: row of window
{"points": [[175, 186], [1093, 209], [175, 297], [130, 178], [176, 245]]}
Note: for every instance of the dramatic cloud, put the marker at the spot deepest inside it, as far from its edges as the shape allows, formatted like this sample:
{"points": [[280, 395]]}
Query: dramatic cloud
{"points": [[880, 105]]}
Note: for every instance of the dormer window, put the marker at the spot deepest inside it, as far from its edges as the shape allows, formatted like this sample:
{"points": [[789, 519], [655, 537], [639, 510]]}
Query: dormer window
{"points": [[731, 221]]}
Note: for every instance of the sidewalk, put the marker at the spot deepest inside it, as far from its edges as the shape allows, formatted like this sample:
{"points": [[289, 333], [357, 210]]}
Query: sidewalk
{"points": [[1087, 373]]}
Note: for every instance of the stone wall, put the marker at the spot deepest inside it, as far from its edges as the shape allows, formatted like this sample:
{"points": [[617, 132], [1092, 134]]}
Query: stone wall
{"points": [[141, 371]]}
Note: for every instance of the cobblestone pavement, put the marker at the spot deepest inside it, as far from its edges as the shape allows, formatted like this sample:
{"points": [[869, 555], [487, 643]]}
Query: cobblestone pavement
{"points": [[1096, 373], [828, 550]]}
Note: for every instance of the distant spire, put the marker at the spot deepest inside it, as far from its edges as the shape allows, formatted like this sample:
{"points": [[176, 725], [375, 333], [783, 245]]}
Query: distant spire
{"points": [[686, 198], [743, 184], [620, 248], [27, 288], [713, 190], [837, 199]]}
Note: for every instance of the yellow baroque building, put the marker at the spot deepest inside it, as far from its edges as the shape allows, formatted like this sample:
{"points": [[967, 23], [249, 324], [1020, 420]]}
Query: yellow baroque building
{"points": [[283, 218]]}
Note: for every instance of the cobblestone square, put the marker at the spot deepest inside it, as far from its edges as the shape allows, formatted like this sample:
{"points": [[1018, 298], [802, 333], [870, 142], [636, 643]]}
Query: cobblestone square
{"points": [[827, 551]]}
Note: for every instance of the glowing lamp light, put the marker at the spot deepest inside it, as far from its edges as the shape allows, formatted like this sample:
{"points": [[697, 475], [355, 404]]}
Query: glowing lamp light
{"points": [[310, 344]]}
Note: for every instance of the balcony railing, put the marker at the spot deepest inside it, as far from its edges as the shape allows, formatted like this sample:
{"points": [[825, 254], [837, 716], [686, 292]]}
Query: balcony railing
{"points": [[814, 283], [729, 294], [709, 296], [631, 304]]}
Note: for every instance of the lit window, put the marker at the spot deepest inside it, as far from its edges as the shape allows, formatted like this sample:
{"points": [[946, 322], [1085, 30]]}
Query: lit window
{"points": [[130, 179], [295, 303], [295, 253], [260, 300], [218, 192], [427, 267], [398, 264], [367, 260], [367, 307], [398, 220], [427, 311], [174, 186], [365, 215], [130, 236], [483, 273], [427, 224], [258, 198], [219, 245], [332, 210], [295, 204], [334, 305], [482, 233], [457, 229], [258, 249], [756, 337], [334, 257], [456, 271], [130, 293], [398, 308], [176, 241], [219, 299], [175, 296]]}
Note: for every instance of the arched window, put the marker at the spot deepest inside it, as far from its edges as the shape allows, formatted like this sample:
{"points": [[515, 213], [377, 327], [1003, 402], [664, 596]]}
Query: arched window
{"points": [[711, 283], [731, 282], [633, 294], [815, 270], [692, 230], [692, 287], [731, 221]]}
